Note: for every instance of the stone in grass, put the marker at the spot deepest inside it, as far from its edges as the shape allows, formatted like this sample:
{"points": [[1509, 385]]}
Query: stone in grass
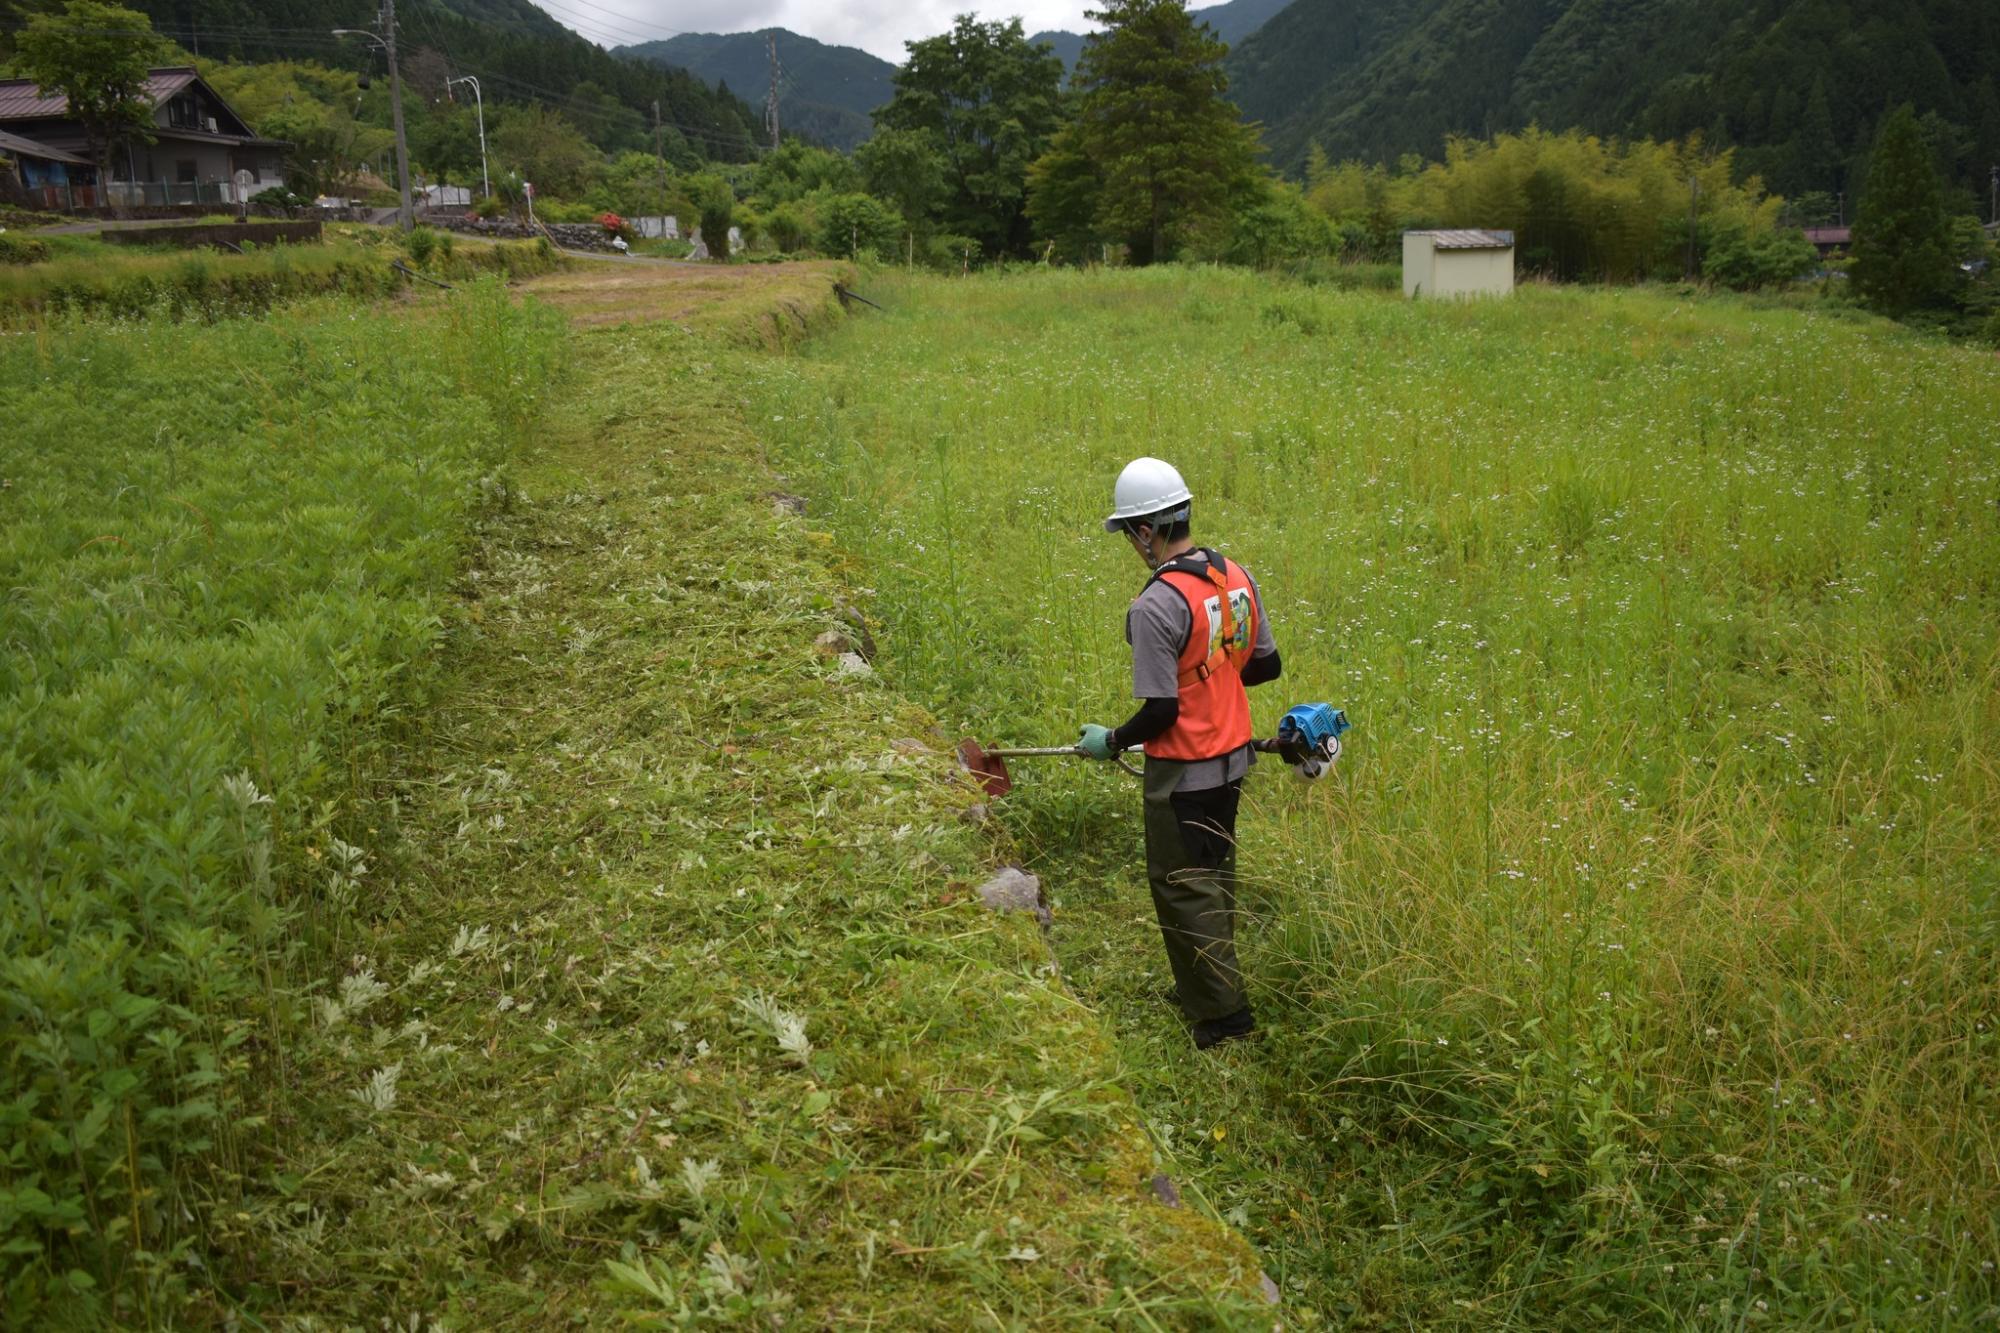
{"points": [[1015, 890], [864, 642], [852, 666], [833, 643], [783, 503]]}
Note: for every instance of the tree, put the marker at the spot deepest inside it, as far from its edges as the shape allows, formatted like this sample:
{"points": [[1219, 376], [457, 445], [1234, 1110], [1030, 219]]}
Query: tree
{"points": [[992, 103], [851, 223], [715, 202], [1902, 249], [546, 149], [905, 168], [97, 56], [1168, 149], [1815, 151]]}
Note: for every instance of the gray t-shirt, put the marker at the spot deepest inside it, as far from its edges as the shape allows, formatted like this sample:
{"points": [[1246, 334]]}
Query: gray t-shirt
{"points": [[1157, 626]]}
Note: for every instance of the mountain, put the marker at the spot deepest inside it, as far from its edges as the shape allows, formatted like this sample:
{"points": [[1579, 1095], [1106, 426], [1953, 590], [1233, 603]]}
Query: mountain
{"points": [[1232, 20], [519, 53], [825, 92], [1796, 86]]}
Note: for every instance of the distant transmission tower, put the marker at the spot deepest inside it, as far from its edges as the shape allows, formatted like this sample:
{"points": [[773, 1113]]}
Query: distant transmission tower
{"points": [[771, 99]]}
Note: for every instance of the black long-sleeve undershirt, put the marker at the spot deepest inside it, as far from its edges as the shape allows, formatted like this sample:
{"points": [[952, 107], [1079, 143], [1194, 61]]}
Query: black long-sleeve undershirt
{"points": [[1157, 716]]}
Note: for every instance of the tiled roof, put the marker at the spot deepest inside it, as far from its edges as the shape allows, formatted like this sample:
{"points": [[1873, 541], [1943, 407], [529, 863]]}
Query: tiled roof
{"points": [[21, 99], [15, 145], [1469, 240], [1829, 235]]}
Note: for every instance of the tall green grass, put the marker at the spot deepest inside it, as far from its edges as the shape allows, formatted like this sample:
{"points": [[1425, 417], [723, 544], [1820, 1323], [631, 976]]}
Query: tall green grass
{"points": [[1640, 961], [81, 275], [222, 550]]}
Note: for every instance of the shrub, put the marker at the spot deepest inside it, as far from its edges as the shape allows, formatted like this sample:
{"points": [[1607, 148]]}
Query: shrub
{"points": [[716, 202], [1746, 261], [422, 244], [787, 227], [489, 208], [22, 249], [851, 223]]}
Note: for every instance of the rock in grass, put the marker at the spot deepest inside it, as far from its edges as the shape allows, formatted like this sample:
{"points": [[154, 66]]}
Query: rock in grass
{"points": [[864, 642], [1165, 1190], [783, 503], [1015, 890], [833, 643], [852, 666]]}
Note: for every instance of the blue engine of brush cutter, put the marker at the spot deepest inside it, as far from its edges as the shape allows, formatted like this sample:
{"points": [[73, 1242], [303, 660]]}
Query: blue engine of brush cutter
{"points": [[1312, 731]]}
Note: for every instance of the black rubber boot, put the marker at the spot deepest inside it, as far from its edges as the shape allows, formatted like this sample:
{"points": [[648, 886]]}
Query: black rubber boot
{"points": [[1229, 1027]]}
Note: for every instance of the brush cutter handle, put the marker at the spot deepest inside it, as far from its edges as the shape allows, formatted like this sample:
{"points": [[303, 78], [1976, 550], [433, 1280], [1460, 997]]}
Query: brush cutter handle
{"points": [[1048, 751]]}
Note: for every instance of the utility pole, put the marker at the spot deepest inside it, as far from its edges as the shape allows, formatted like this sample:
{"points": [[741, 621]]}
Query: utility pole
{"points": [[1993, 208], [1694, 201], [485, 179], [660, 153], [396, 112], [385, 37], [771, 100]]}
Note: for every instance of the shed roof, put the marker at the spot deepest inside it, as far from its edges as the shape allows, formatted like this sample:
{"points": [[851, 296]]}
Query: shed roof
{"points": [[1466, 239], [23, 99], [1829, 235], [15, 146]]}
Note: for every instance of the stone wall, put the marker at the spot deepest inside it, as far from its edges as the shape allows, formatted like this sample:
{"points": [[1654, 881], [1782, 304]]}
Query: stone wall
{"points": [[220, 235], [569, 235]]}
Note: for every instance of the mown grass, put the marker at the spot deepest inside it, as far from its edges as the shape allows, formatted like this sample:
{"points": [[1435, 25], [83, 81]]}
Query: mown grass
{"points": [[669, 1002], [223, 551], [1639, 963]]}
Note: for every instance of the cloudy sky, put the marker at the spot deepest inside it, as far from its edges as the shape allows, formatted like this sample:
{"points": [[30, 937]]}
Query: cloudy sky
{"points": [[880, 26]]}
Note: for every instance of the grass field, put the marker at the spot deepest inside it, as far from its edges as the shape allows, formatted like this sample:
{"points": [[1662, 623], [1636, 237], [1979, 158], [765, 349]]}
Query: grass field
{"points": [[1640, 962], [448, 888]]}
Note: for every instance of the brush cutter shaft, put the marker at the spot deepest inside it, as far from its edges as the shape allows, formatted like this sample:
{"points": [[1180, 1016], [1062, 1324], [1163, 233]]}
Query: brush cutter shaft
{"points": [[1037, 751]]}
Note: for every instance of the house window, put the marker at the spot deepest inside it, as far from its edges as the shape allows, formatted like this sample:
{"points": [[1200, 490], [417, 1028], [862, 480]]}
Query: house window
{"points": [[185, 171], [182, 113]]}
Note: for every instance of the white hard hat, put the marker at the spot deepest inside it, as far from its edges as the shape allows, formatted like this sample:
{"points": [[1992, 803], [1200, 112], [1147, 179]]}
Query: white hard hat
{"points": [[1148, 489]]}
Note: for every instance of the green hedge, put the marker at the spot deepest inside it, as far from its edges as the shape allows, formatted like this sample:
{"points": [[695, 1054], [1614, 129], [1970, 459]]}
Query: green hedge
{"points": [[225, 550]]}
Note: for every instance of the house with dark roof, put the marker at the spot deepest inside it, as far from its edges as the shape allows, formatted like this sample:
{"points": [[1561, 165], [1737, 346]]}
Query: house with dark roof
{"points": [[199, 145]]}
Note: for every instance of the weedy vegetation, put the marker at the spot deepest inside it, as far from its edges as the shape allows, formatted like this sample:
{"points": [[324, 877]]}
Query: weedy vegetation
{"points": [[40, 277], [224, 551], [1640, 962]]}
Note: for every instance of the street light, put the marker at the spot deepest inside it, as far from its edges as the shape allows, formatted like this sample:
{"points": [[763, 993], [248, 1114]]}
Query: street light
{"points": [[480, 103], [385, 41]]}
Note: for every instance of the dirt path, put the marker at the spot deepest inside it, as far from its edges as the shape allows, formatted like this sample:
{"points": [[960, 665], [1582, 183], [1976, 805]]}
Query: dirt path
{"points": [[683, 1003]]}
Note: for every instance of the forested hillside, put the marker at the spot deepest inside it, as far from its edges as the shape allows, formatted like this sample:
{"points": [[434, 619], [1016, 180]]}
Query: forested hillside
{"points": [[1797, 86], [519, 53], [1233, 20], [826, 93]]}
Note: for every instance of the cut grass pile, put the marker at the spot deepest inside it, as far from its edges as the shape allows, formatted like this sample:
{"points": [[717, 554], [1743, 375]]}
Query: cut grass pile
{"points": [[223, 551], [1640, 962], [669, 1000]]}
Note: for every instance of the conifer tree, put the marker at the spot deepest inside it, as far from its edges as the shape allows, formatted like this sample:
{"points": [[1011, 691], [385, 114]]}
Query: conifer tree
{"points": [[1902, 238], [1156, 151], [1815, 151]]}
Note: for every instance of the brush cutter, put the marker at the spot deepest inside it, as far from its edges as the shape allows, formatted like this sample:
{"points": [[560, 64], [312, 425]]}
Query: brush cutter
{"points": [[1308, 739]]}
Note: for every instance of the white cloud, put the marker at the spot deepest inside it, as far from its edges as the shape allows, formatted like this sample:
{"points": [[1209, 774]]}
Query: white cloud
{"points": [[877, 26]]}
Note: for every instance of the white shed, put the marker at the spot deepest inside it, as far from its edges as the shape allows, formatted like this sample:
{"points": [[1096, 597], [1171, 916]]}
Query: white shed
{"points": [[1458, 263]]}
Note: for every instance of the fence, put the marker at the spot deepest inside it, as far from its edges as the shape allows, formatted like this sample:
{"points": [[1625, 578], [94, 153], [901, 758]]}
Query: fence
{"points": [[139, 194]]}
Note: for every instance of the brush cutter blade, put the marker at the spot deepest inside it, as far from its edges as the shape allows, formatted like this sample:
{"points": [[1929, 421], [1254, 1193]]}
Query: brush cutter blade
{"points": [[989, 770]]}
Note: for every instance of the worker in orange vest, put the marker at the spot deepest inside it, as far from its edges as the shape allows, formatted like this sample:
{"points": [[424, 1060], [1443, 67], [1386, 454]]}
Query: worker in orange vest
{"points": [[1198, 637]]}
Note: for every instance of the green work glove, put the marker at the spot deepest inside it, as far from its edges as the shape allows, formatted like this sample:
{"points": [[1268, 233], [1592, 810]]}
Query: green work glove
{"points": [[1096, 741]]}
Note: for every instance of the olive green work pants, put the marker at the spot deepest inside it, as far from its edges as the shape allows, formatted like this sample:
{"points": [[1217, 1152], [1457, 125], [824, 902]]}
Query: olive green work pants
{"points": [[1191, 865]]}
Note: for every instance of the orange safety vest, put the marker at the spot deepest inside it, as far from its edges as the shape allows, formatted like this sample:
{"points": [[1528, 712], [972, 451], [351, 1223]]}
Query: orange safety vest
{"points": [[1222, 631]]}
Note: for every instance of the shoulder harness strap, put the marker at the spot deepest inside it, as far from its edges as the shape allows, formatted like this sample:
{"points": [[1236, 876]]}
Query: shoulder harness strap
{"points": [[1216, 570]]}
